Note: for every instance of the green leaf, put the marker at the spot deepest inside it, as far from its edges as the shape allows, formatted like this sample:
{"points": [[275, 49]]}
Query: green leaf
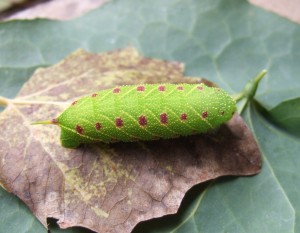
{"points": [[287, 116], [226, 41], [15, 216], [281, 152]]}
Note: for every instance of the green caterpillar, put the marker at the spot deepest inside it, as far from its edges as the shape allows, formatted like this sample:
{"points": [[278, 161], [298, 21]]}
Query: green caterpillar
{"points": [[144, 112]]}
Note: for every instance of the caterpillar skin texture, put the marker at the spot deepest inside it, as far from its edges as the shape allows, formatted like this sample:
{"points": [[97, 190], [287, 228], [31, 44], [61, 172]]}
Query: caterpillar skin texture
{"points": [[144, 112]]}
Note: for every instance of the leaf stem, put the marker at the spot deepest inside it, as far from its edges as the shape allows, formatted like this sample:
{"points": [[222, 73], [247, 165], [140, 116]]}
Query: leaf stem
{"points": [[4, 102], [237, 97]]}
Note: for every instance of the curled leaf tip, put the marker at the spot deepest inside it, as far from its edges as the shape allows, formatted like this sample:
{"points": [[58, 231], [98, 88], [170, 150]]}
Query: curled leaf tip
{"points": [[249, 91], [260, 76], [251, 86]]}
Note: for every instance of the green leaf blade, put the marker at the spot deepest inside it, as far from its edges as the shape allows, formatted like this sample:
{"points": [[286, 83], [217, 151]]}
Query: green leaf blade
{"points": [[287, 116], [250, 39]]}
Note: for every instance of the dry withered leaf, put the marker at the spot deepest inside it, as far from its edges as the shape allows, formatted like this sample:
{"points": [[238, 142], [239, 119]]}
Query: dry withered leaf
{"points": [[109, 188]]}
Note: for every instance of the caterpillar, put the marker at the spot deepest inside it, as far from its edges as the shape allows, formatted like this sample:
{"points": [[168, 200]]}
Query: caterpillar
{"points": [[143, 112]]}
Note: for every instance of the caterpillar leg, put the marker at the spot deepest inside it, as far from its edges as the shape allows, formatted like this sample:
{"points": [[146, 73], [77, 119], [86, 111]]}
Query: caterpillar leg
{"points": [[69, 141]]}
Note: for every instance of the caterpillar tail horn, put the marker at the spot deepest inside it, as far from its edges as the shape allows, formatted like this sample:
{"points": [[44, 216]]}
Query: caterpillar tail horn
{"points": [[48, 122]]}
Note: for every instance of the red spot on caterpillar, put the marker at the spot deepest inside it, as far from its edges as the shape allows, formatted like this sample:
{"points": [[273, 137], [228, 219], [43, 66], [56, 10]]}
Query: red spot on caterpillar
{"points": [[116, 90], [199, 88], [204, 114], [79, 129], [54, 121], [75, 102], [222, 113], [140, 88], [98, 126], [164, 118], [180, 88], [161, 88], [94, 94], [183, 116], [142, 120], [119, 122]]}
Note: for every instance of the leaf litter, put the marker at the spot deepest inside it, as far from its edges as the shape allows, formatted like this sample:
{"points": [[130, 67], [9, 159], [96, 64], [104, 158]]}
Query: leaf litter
{"points": [[109, 187]]}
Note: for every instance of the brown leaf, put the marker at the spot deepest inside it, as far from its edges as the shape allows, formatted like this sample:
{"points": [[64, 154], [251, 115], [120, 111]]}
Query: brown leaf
{"points": [[109, 188], [54, 9]]}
